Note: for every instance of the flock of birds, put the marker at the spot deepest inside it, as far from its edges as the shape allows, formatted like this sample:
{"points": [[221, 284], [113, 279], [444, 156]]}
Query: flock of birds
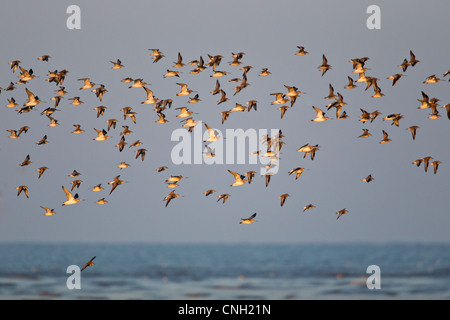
{"points": [[285, 100]]}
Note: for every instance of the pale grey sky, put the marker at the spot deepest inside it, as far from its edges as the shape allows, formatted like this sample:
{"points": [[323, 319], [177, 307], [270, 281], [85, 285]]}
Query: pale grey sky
{"points": [[403, 203]]}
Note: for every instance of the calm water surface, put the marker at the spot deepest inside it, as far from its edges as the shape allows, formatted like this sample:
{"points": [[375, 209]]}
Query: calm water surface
{"points": [[225, 271]]}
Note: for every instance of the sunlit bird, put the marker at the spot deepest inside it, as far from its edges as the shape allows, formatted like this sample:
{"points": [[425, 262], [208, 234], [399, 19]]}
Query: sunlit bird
{"points": [[170, 196], [102, 201], [239, 179], [208, 192], [102, 135], [301, 51], [224, 197], [283, 198], [308, 207], [71, 199], [385, 138], [25, 162], [48, 211], [117, 64], [368, 179], [435, 165], [320, 115], [365, 134], [23, 189], [248, 220], [97, 188], [413, 130], [88, 264], [324, 67], [308, 149], [341, 212], [87, 83], [115, 183], [298, 171]]}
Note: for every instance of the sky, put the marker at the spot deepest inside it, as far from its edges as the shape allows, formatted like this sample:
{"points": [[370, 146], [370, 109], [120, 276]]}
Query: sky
{"points": [[404, 203]]}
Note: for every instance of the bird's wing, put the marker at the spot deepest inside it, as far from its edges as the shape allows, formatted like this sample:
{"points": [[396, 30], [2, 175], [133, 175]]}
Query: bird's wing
{"points": [[68, 194], [30, 94], [319, 112], [236, 175]]}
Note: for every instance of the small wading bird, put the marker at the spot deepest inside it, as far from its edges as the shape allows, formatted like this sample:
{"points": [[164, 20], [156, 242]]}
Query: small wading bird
{"points": [[25, 162], [102, 135], [117, 65], [208, 192], [413, 130], [41, 171], [13, 134], [90, 263], [283, 198], [320, 115], [368, 178], [102, 201], [170, 196], [224, 197], [77, 129], [301, 51], [298, 171], [44, 58], [435, 165], [123, 165], [308, 149], [115, 183], [385, 138], [341, 212], [97, 188], [395, 78], [308, 207], [23, 189], [48, 211], [365, 134], [324, 67], [70, 198], [248, 220]]}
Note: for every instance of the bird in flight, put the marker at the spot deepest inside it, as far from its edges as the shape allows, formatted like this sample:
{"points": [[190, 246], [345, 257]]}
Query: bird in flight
{"points": [[115, 183], [90, 263], [385, 138], [212, 134], [117, 65], [102, 135], [308, 149], [324, 67], [170, 196], [320, 115], [239, 179], [25, 162], [70, 198], [435, 165], [224, 197], [301, 51], [413, 130], [48, 211], [341, 212], [208, 192], [248, 220], [308, 207], [23, 189], [298, 171], [283, 198]]}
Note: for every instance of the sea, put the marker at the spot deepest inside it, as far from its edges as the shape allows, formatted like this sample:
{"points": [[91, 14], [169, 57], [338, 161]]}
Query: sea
{"points": [[138, 271]]}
